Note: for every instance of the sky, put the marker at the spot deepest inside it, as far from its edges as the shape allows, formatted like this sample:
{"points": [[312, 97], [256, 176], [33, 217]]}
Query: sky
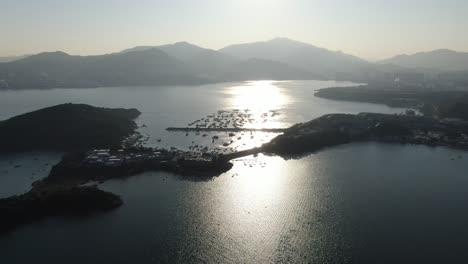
{"points": [[370, 29]]}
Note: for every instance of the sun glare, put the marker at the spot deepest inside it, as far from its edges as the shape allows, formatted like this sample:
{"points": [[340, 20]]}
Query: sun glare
{"points": [[257, 96]]}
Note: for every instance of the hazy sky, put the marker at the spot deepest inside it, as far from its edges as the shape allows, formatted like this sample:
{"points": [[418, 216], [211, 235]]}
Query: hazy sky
{"points": [[371, 29]]}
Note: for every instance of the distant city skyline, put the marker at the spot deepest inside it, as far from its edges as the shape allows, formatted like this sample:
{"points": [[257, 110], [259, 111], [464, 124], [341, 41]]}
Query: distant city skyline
{"points": [[370, 29]]}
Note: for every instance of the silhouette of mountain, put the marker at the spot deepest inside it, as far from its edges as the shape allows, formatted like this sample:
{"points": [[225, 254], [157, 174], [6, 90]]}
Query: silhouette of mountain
{"points": [[12, 58], [179, 50], [183, 51], [260, 69], [276, 49], [219, 66], [443, 59], [58, 69], [183, 63], [211, 64], [204, 62], [299, 55]]}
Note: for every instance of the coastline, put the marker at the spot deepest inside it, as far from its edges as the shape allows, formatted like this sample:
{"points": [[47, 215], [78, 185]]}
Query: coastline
{"points": [[99, 165]]}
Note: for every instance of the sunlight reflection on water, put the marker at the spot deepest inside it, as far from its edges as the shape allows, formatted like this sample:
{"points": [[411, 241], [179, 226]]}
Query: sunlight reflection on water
{"points": [[258, 96], [264, 210]]}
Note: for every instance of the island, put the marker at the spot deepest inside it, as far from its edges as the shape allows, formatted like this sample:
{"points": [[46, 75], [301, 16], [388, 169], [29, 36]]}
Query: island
{"points": [[70, 128], [67, 127]]}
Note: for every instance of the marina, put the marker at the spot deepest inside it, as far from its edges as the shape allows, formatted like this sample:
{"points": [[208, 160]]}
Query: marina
{"points": [[226, 129]]}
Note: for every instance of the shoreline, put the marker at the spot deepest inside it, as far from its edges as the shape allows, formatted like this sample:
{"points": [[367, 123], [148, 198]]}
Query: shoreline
{"points": [[99, 165]]}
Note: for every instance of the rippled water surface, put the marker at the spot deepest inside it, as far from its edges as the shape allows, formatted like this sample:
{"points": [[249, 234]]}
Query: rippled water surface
{"points": [[360, 203]]}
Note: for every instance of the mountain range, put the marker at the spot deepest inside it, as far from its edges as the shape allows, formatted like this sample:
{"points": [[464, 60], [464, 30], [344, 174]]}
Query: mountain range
{"points": [[12, 58], [58, 69], [298, 54], [183, 63], [221, 66], [443, 59]]}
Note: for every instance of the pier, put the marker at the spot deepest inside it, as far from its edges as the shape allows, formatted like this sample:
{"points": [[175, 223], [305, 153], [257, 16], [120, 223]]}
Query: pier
{"points": [[225, 129]]}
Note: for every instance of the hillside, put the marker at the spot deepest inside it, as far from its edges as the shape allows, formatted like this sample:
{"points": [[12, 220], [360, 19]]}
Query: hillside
{"points": [[205, 63], [60, 70], [299, 55], [260, 69], [67, 127], [183, 63], [443, 59], [179, 50], [262, 60], [12, 58], [220, 66], [440, 104]]}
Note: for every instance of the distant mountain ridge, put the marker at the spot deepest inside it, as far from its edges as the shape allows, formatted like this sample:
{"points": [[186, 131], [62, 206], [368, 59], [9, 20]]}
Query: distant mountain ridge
{"points": [[299, 55], [275, 49], [261, 69], [220, 66], [180, 63], [12, 58], [183, 63], [442, 59], [60, 70], [179, 50], [204, 62]]}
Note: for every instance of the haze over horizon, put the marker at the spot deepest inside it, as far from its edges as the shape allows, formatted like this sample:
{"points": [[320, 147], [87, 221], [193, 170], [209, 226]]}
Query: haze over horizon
{"points": [[372, 30]]}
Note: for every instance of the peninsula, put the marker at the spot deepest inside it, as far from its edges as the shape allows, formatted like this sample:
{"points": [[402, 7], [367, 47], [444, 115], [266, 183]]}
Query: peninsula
{"points": [[436, 103], [335, 129]]}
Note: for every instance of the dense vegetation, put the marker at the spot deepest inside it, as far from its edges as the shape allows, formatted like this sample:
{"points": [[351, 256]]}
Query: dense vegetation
{"points": [[32, 206], [335, 129], [442, 104], [67, 127]]}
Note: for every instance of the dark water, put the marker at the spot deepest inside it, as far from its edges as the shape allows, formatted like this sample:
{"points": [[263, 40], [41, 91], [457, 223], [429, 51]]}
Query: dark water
{"points": [[356, 203]]}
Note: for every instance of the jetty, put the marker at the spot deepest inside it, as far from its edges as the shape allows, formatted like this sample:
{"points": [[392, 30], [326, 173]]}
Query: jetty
{"points": [[225, 129]]}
